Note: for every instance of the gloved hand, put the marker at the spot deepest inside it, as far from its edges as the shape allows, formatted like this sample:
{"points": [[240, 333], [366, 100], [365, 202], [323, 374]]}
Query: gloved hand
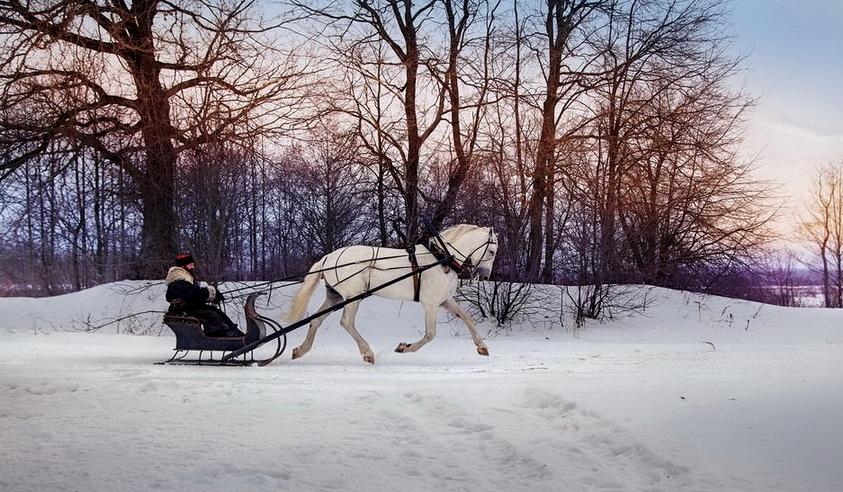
{"points": [[212, 293]]}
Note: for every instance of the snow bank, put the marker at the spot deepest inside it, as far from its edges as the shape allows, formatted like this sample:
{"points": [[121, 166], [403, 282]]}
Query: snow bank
{"points": [[665, 314]]}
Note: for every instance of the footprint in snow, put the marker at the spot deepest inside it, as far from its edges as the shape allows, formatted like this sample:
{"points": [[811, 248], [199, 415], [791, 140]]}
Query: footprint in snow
{"points": [[464, 426]]}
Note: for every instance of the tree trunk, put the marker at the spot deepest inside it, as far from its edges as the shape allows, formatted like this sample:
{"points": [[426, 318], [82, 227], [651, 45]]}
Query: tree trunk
{"points": [[99, 230], [158, 234], [557, 31], [826, 285], [549, 229], [384, 237], [544, 159], [411, 173]]}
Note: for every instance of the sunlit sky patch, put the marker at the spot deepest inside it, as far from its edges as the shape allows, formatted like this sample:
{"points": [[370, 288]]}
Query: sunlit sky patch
{"points": [[794, 66]]}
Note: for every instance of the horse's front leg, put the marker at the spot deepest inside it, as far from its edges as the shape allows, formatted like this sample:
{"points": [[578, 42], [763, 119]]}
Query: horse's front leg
{"points": [[430, 330], [452, 307], [347, 322]]}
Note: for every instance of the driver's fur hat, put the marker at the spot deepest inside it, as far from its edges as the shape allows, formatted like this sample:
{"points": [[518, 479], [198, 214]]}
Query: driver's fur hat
{"points": [[184, 259]]}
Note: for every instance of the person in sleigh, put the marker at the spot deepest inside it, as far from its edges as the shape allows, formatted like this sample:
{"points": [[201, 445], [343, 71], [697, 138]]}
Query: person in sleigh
{"points": [[187, 297]]}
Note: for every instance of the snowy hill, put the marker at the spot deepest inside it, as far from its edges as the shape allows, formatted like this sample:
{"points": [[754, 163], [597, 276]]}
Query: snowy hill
{"points": [[693, 393]]}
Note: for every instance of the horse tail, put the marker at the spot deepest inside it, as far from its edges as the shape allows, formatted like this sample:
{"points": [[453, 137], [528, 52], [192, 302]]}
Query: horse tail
{"points": [[299, 306]]}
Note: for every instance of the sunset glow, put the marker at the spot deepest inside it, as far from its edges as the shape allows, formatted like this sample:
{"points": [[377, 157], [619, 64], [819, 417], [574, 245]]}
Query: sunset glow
{"points": [[794, 65]]}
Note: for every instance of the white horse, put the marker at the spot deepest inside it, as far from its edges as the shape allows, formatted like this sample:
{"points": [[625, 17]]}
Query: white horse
{"points": [[350, 271]]}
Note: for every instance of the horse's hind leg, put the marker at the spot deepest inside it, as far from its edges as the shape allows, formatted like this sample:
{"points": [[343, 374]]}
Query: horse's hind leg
{"points": [[452, 307], [331, 298], [347, 322], [430, 311]]}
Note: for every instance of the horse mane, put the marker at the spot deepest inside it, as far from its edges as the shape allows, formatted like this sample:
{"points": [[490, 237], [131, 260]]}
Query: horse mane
{"points": [[455, 232]]}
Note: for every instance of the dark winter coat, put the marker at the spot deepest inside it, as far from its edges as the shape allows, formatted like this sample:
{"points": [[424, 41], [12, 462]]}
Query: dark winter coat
{"points": [[186, 297], [183, 290]]}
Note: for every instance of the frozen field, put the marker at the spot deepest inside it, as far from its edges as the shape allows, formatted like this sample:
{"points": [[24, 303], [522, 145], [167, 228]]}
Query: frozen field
{"points": [[705, 394]]}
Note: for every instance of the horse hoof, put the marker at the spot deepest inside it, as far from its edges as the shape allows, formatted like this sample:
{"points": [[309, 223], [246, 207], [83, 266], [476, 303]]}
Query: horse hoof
{"points": [[369, 358], [402, 347], [296, 353], [483, 351]]}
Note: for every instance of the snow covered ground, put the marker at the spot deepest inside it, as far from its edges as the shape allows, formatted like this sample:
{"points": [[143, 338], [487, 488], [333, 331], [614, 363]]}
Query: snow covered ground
{"points": [[696, 393]]}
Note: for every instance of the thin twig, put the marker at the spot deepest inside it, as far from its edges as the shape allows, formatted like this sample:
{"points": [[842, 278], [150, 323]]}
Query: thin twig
{"points": [[91, 328]]}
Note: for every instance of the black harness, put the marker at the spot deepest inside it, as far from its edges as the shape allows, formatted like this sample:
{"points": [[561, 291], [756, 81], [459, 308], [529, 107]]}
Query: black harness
{"points": [[414, 264], [440, 250]]}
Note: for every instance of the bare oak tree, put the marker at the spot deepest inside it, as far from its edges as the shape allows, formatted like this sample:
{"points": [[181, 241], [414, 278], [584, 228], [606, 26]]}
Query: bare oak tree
{"points": [[140, 84]]}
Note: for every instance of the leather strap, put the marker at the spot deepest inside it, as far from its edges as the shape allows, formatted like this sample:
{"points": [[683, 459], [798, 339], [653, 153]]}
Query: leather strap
{"points": [[411, 250], [449, 260]]}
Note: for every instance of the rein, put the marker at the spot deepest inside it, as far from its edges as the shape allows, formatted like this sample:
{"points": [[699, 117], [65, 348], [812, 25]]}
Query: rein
{"points": [[290, 278], [438, 247], [442, 252]]}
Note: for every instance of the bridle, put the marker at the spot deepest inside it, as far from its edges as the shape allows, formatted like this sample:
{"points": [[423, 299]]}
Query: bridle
{"points": [[464, 264]]}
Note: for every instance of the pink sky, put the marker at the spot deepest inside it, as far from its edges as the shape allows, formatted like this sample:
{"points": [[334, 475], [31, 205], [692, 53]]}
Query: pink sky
{"points": [[795, 66]]}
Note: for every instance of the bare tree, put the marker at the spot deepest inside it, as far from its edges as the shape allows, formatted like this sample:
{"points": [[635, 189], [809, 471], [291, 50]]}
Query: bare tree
{"points": [[140, 84], [822, 226], [645, 49], [781, 280], [562, 48], [461, 74], [598, 137], [431, 60], [397, 24], [329, 193]]}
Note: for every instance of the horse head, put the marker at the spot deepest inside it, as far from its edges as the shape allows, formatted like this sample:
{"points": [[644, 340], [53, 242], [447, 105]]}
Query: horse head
{"points": [[474, 246]]}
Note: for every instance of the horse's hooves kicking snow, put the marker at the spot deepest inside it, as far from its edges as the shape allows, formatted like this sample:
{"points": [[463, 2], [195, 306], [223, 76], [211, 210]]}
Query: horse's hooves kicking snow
{"points": [[483, 351], [402, 347], [369, 358]]}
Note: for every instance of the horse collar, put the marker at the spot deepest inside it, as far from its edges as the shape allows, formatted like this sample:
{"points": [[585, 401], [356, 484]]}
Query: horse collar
{"points": [[448, 260]]}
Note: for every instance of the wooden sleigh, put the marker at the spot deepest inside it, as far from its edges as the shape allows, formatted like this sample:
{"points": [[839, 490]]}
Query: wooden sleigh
{"points": [[190, 337]]}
